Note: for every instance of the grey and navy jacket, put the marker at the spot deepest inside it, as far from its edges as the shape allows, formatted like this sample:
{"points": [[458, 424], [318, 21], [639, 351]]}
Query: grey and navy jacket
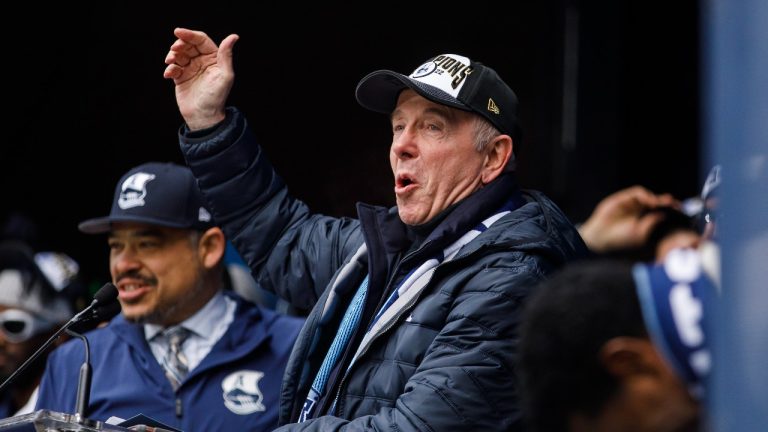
{"points": [[447, 359], [234, 388]]}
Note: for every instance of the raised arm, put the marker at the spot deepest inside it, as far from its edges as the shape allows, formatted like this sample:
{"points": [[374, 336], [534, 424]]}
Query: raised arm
{"points": [[203, 75]]}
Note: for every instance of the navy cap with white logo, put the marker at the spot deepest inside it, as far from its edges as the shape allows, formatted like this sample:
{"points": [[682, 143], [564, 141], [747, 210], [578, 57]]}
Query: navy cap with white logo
{"points": [[155, 193], [447, 79]]}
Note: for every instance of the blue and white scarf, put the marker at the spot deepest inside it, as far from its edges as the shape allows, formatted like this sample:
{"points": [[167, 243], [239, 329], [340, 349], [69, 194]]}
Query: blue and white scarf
{"points": [[398, 302]]}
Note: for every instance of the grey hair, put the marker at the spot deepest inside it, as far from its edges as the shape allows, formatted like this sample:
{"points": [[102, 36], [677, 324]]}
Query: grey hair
{"points": [[194, 237], [485, 132]]}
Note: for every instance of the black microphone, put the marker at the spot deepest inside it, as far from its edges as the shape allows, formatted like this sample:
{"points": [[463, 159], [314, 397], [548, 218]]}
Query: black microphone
{"points": [[104, 299], [102, 305], [105, 306]]}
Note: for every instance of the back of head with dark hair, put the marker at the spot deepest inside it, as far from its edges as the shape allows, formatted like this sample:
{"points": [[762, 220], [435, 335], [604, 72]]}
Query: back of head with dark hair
{"points": [[566, 322]]}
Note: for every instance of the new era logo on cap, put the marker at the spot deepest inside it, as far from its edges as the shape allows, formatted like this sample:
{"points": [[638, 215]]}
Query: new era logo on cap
{"points": [[447, 79], [155, 193]]}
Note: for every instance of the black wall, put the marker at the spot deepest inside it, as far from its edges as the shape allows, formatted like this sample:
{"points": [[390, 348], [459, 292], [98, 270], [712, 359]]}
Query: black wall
{"points": [[88, 100]]}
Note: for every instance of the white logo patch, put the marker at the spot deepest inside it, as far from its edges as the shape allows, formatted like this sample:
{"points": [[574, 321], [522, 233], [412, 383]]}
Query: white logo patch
{"points": [[133, 190], [203, 215], [241, 392], [448, 72]]}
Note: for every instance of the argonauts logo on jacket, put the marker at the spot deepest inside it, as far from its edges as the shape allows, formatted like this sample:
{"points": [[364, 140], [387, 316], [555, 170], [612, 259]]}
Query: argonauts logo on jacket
{"points": [[242, 394]]}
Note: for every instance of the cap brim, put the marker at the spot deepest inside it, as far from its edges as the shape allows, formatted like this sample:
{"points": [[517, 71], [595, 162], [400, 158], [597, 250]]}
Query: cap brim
{"points": [[104, 224], [378, 91]]}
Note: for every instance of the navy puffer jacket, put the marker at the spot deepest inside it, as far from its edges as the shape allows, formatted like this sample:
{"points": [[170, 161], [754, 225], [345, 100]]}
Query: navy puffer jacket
{"points": [[446, 360]]}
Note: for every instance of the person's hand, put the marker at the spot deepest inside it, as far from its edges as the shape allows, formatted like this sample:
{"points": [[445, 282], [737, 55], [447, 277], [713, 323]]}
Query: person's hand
{"points": [[624, 219], [203, 75]]}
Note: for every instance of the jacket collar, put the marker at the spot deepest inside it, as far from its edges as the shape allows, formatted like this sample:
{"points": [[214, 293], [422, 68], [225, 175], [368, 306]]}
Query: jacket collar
{"points": [[382, 228], [246, 333]]}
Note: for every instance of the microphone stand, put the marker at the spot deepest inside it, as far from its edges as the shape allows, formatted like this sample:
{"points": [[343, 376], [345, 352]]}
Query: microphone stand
{"points": [[84, 382]]}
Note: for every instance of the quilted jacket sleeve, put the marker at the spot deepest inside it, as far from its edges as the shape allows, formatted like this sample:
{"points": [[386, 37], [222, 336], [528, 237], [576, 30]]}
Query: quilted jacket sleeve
{"points": [[289, 250]]}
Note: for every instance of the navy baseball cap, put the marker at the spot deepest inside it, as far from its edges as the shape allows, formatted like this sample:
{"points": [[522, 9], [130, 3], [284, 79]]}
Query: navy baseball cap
{"points": [[155, 193], [447, 79]]}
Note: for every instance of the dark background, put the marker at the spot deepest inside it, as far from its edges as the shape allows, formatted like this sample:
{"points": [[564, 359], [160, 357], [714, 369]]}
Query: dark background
{"points": [[88, 101]]}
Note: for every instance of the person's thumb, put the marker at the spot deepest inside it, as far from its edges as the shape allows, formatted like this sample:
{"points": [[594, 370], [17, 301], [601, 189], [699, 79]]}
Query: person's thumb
{"points": [[224, 55]]}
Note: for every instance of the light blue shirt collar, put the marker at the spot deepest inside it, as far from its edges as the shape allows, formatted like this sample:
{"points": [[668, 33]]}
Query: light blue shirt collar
{"points": [[207, 326], [200, 323]]}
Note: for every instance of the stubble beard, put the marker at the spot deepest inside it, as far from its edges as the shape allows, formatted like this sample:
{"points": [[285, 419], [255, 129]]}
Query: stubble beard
{"points": [[162, 313]]}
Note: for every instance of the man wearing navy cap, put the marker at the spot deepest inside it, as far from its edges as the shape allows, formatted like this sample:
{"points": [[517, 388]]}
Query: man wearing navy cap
{"points": [[415, 308], [183, 351]]}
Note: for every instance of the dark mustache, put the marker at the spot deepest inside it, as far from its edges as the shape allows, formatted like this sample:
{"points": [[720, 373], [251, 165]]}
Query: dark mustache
{"points": [[133, 274]]}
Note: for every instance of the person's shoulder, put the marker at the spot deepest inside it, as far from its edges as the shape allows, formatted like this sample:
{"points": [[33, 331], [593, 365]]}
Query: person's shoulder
{"points": [[280, 319], [258, 323], [74, 346], [531, 219], [536, 232], [539, 212], [540, 199], [262, 314], [243, 306], [291, 321]]}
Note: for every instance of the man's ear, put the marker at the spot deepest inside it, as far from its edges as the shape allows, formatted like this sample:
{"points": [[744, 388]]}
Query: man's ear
{"points": [[625, 356], [497, 155], [211, 247]]}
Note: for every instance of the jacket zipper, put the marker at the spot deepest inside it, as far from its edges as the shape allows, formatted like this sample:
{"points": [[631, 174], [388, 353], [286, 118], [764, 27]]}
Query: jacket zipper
{"points": [[338, 404]]}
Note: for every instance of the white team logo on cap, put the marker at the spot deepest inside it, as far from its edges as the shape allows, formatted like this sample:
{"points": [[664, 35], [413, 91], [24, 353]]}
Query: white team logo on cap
{"points": [[241, 392], [133, 190], [424, 70], [446, 72]]}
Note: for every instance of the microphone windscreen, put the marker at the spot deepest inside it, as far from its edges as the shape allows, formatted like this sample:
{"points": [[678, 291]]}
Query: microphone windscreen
{"points": [[106, 294]]}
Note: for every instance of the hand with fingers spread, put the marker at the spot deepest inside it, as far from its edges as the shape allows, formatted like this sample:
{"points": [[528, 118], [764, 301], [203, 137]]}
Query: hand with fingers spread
{"points": [[203, 75], [624, 219]]}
